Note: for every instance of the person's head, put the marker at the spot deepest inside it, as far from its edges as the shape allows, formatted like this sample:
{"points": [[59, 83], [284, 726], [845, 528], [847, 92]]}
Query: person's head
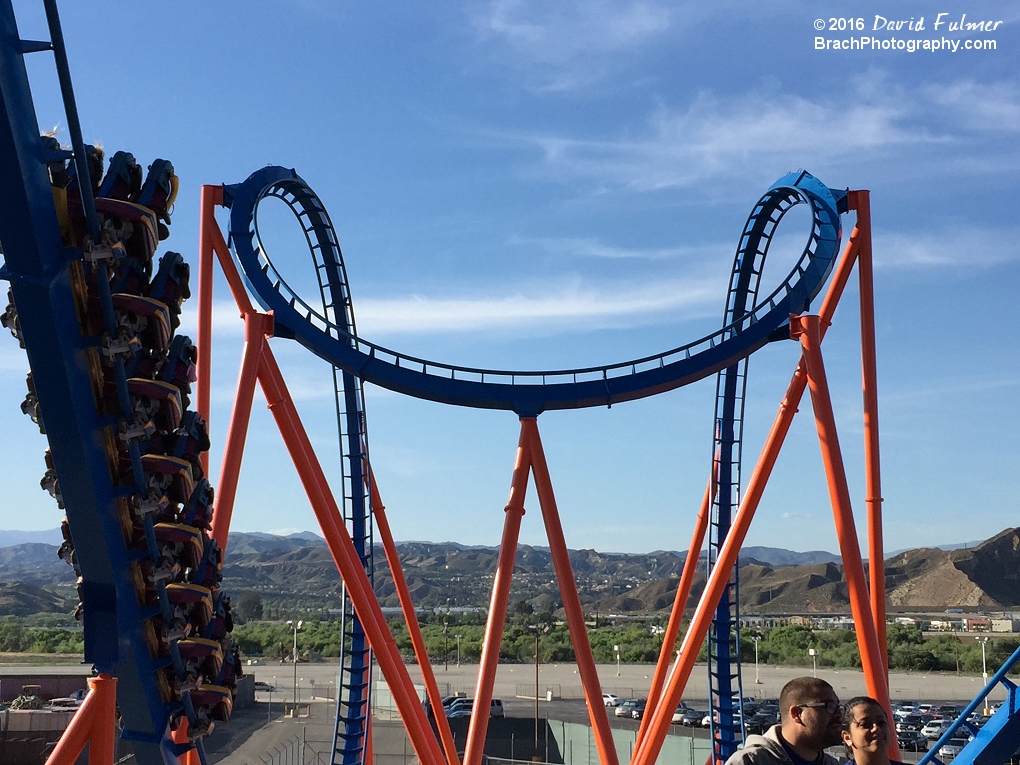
{"points": [[811, 716], [865, 730]]}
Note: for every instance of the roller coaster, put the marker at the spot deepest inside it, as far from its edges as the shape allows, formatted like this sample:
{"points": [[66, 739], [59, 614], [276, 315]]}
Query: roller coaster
{"points": [[111, 383]]}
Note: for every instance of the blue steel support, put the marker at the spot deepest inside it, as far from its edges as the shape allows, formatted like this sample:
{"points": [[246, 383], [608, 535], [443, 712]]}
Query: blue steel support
{"points": [[998, 741], [36, 264], [725, 685], [354, 677]]}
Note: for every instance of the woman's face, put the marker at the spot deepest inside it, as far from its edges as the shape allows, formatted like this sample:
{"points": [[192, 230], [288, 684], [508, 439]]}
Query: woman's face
{"points": [[869, 730]]}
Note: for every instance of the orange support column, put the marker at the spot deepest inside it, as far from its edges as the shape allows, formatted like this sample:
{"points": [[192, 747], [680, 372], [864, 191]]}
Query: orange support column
{"points": [[647, 750], [421, 653], [571, 602], [808, 331], [211, 197], [347, 561], [257, 326], [861, 202], [676, 616], [94, 724], [477, 728]]}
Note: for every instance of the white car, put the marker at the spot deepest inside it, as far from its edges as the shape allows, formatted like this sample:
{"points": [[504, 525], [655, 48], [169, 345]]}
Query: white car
{"points": [[936, 728], [952, 748], [611, 700]]}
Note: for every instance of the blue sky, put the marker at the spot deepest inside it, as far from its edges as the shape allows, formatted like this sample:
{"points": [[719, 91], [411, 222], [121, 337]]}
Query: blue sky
{"points": [[543, 185]]}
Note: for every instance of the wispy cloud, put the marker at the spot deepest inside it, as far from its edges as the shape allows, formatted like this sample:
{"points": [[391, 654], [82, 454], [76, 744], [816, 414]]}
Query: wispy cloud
{"points": [[979, 106], [966, 247], [592, 247], [574, 306], [568, 45], [735, 136], [721, 136]]}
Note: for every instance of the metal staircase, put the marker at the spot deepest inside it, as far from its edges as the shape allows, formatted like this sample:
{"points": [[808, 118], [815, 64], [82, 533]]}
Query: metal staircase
{"points": [[998, 741]]}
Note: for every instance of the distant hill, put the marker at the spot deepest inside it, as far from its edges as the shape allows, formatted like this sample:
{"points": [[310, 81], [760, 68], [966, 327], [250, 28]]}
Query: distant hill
{"points": [[49, 537], [23, 599], [298, 571]]}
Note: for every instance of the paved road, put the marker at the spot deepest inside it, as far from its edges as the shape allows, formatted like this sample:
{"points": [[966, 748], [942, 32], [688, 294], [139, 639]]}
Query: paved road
{"points": [[514, 680]]}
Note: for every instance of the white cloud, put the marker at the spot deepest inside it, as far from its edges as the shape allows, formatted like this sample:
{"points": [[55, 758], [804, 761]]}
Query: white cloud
{"points": [[979, 106], [963, 247], [572, 307], [592, 247], [718, 136], [226, 319], [565, 45]]}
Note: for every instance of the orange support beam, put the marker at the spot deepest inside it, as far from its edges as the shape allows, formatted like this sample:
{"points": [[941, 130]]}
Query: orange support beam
{"points": [[861, 202], [479, 724], [347, 561], [568, 592], [421, 653], [180, 736], [94, 724], [806, 328], [683, 593], [211, 197], [257, 327], [647, 750]]}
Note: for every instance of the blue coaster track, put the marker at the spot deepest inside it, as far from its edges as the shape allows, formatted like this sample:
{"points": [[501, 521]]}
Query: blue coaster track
{"points": [[328, 331], [109, 387], [529, 393]]}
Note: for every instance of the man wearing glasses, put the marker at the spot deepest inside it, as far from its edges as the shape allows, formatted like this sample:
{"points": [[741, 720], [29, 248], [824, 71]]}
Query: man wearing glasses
{"points": [[810, 721]]}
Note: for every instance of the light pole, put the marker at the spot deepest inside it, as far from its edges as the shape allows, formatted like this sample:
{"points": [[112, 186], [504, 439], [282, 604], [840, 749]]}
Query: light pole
{"points": [[458, 649], [983, 640], [617, 649], [756, 639], [537, 630], [446, 638], [296, 626], [813, 653]]}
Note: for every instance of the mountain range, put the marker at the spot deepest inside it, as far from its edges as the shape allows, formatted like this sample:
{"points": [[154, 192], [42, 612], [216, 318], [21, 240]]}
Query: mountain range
{"points": [[297, 571]]}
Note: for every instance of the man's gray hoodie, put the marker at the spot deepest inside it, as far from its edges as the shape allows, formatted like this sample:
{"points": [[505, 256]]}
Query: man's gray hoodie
{"points": [[769, 750]]}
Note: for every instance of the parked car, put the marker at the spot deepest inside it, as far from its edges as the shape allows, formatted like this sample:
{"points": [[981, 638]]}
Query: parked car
{"points": [[265, 687], [761, 722], [496, 709], [909, 722], [639, 709], [691, 717], [458, 705], [912, 741], [460, 708], [936, 728], [627, 707], [952, 748], [611, 700]]}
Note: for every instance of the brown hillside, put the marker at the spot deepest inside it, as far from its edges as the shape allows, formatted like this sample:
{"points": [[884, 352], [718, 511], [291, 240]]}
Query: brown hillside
{"points": [[986, 576]]}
